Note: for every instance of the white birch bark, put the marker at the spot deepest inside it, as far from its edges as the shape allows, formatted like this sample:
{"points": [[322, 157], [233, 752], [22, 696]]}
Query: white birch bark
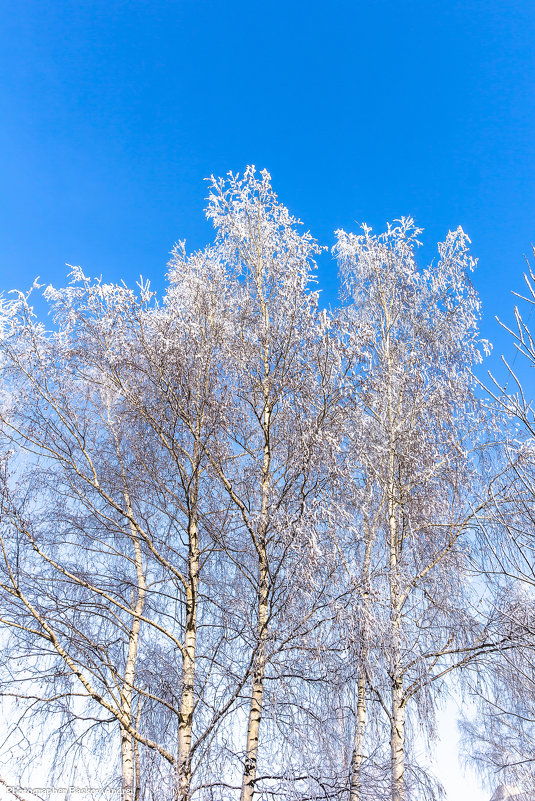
{"points": [[257, 690], [255, 710], [187, 700], [127, 766], [397, 721], [357, 757], [355, 791], [397, 736], [127, 744], [397, 741]]}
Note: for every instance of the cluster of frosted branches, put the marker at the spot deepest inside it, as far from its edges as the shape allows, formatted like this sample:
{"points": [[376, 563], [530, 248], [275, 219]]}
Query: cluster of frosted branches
{"points": [[238, 530]]}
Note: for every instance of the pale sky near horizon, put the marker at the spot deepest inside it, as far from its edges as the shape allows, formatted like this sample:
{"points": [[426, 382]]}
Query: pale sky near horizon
{"points": [[460, 783]]}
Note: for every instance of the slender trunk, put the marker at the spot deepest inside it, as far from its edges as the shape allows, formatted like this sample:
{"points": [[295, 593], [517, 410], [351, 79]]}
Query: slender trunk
{"points": [[397, 741], [127, 764], [357, 757], [127, 746], [355, 791], [187, 700], [137, 793], [397, 736], [397, 709], [257, 691]]}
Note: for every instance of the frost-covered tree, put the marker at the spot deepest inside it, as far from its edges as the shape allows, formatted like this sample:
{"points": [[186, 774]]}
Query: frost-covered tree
{"points": [[109, 516], [413, 424], [275, 456], [235, 528], [501, 737], [162, 515]]}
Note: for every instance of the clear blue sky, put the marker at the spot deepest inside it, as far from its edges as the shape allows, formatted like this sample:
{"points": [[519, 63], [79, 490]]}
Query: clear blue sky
{"points": [[112, 113]]}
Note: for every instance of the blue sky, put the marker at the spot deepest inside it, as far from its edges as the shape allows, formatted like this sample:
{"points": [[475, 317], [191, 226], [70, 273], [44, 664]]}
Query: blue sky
{"points": [[112, 113]]}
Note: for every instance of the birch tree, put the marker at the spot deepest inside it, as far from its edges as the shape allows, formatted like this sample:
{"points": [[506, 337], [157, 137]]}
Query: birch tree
{"points": [[237, 529], [113, 412], [501, 738], [273, 469], [184, 446], [415, 422]]}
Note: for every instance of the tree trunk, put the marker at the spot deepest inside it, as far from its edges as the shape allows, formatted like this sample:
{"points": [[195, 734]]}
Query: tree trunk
{"points": [[355, 791], [397, 736], [397, 721], [255, 710], [127, 745], [397, 741], [257, 691], [127, 766], [187, 700], [137, 793]]}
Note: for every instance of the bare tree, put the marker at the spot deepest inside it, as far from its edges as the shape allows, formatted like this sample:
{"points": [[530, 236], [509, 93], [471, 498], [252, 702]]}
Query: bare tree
{"points": [[501, 737], [110, 417], [414, 423], [235, 529], [162, 515], [274, 462]]}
